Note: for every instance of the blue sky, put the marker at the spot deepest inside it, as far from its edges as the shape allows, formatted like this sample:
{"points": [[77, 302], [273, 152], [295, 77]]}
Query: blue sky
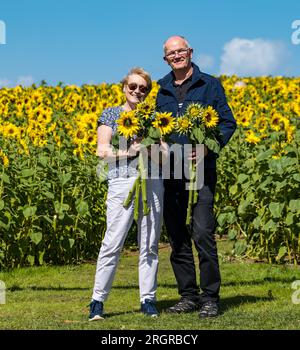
{"points": [[89, 41]]}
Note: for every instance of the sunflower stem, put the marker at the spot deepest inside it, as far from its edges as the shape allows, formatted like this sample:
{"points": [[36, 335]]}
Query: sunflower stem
{"points": [[130, 194], [137, 199], [193, 195], [143, 174]]}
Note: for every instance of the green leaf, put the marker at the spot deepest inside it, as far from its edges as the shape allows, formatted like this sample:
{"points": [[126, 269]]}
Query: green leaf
{"points": [[82, 207], [3, 225], [47, 218], [240, 247], [250, 163], [64, 178], [30, 259], [36, 237], [242, 208], [289, 219], [48, 195], [231, 218], [276, 209], [148, 141], [279, 185], [1, 204], [60, 209], [29, 211], [281, 253], [5, 178], [264, 155], [102, 170], [296, 177], [276, 166], [242, 178], [256, 222], [43, 160], [286, 162], [264, 184], [115, 140], [41, 257], [71, 242], [232, 234], [27, 172], [294, 205], [270, 226], [221, 219], [233, 189], [198, 135], [154, 133], [256, 177], [212, 145]]}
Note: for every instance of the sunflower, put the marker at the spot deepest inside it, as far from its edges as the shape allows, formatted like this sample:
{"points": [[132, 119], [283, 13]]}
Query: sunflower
{"points": [[80, 137], [261, 123], [4, 159], [278, 122], [251, 137], [183, 125], [164, 122], [11, 130], [194, 111], [128, 124], [210, 117], [145, 109]]}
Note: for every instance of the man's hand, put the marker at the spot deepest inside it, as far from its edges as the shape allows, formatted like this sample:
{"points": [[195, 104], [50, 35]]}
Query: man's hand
{"points": [[193, 156]]}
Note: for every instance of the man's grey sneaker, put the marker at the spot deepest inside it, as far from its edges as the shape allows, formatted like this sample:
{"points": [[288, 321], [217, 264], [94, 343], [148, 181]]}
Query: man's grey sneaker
{"points": [[209, 309], [148, 308], [96, 310], [184, 305]]}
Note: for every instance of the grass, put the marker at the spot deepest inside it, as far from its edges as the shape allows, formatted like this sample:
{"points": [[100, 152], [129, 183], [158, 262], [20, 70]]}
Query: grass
{"points": [[253, 296]]}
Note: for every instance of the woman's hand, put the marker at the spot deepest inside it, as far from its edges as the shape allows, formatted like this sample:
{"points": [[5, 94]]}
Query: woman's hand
{"points": [[135, 147]]}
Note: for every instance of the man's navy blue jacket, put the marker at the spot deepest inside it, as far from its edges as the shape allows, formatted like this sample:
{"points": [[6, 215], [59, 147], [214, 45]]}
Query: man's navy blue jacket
{"points": [[204, 89]]}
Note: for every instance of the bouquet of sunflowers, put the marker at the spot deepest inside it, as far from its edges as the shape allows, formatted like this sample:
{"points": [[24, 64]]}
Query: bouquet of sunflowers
{"points": [[199, 124], [149, 126]]}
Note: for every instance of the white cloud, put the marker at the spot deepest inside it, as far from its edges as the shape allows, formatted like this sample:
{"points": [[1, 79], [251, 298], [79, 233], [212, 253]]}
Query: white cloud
{"points": [[251, 57], [25, 80], [205, 61]]}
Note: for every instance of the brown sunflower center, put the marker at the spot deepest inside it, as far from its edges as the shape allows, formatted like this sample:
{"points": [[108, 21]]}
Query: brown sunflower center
{"points": [[127, 122], [164, 122]]}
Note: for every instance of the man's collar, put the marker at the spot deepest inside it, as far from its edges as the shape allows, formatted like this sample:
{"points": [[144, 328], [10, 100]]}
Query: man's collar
{"points": [[167, 81]]}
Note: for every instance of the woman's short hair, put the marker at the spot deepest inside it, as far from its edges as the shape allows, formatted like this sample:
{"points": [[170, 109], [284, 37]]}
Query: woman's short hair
{"points": [[142, 73]]}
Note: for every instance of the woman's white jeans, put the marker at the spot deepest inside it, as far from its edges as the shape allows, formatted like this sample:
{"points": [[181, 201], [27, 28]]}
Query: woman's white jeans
{"points": [[119, 221]]}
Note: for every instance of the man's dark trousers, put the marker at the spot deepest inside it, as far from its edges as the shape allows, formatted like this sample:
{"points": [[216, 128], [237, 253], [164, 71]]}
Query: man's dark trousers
{"points": [[201, 232]]}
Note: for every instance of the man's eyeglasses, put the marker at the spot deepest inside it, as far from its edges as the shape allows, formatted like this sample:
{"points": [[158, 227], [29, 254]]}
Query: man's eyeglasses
{"points": [[133, 86], [180, 52]]}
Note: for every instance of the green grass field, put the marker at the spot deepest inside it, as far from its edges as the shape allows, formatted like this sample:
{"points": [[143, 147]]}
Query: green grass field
{"points": [[253, 296]]}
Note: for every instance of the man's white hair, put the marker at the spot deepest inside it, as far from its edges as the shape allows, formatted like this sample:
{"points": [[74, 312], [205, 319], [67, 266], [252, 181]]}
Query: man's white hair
{"points": [[179, 36]]}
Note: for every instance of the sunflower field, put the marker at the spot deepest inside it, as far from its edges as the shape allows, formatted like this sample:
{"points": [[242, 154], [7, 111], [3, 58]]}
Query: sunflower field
{"points": [[52, 204]]}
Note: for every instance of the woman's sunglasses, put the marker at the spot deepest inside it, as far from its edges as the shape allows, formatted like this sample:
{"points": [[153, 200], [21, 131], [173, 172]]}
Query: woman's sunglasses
{"points": [[133, 86]]}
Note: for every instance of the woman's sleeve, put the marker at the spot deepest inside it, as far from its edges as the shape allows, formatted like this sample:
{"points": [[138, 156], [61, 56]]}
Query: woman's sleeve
{"points": [[106, 119]]}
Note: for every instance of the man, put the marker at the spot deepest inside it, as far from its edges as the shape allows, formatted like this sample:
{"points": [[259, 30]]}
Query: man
{"points": [[186, 84]]}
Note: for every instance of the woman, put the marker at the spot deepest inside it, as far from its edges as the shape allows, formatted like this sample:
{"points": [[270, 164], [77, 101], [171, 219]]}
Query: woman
{"points": [[136, 86]]}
